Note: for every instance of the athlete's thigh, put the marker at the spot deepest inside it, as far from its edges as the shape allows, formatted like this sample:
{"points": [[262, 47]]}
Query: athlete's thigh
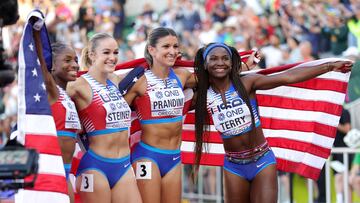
{"points": [[93, 186], [264, 187], [171, 185], [126, 189], [236, 188], [148, 180], [70, 191]]}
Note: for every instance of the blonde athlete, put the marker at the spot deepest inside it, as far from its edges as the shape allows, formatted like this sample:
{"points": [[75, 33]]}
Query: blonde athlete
{"points": [[105, 173]]}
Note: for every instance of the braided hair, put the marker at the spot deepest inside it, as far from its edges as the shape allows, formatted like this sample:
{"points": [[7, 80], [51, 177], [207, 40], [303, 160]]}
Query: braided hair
{"points": [[202, 119]]}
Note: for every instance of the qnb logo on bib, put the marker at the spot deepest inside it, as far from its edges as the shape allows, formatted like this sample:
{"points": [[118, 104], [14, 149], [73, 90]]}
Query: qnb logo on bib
{"points": [[231, 118], [118, 114], [166, 102], [229, 104]]}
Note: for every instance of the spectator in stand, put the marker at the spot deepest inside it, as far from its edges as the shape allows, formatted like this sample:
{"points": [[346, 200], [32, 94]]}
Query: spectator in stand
{"points": [[188, 16], [272, 53], [353, 53], [313, 34], [354, 24], [219, 11], [207, 34], [305, 50], [86, 20], [293, 46], [118, 17], [338, 34]]}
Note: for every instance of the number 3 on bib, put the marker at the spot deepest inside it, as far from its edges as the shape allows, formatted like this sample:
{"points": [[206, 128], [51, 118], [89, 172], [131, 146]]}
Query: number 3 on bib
{"points": [[87, 183], [143, 170]]}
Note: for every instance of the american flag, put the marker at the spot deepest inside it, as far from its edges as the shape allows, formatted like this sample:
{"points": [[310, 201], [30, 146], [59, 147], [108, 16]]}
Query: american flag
{"points": [[299, 120], [36, 126]]}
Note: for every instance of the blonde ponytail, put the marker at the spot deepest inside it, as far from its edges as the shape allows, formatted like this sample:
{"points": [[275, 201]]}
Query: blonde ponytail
{"points": [[85, 61]]}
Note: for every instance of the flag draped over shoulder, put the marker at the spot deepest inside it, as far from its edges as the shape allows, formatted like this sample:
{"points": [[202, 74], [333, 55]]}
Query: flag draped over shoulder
{"points": [[35, 124], [299, 120]]}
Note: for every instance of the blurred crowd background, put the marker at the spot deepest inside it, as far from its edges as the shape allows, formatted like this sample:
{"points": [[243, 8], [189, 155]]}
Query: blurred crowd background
{"points": [[285, 31]]}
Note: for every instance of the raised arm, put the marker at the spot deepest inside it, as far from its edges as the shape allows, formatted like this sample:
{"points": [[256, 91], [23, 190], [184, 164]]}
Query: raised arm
{"points": [[251, 62], [299, 73], [50, 83]]}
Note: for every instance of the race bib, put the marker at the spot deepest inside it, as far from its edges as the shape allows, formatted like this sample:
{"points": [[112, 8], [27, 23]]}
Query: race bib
{"points": [[87, 183], [118, 114], [230, 118], [143, 170], [166, 102], [72, 120]]}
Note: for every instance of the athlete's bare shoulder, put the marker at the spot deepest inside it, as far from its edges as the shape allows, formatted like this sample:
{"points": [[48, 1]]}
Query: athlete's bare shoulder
{"points": [[77, 87], [181, 71], [187, 78]]}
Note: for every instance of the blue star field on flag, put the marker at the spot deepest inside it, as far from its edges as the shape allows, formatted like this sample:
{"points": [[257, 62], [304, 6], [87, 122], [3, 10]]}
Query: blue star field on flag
{"points": [[130, 79], [35, 92]]}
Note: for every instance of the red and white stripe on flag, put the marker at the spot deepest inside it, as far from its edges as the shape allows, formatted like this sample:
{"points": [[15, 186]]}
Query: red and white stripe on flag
{"points": [[36, 126], [299, 121]]}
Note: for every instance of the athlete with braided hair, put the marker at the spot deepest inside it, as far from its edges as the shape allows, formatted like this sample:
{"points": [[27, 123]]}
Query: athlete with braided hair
{"points": [[228, 98]]}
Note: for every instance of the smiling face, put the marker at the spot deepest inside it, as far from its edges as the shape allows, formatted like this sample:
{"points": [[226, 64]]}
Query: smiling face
{"points": [[165, 51], [105, 55], [66, 65], [218, 63]]}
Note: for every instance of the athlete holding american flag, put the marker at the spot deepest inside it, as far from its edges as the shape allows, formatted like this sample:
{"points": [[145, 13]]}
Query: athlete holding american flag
{"points": [[250, 164], [332, 83]]}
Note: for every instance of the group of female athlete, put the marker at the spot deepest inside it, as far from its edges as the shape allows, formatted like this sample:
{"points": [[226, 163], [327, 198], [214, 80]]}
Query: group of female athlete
{"points": [[109, 171]]}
